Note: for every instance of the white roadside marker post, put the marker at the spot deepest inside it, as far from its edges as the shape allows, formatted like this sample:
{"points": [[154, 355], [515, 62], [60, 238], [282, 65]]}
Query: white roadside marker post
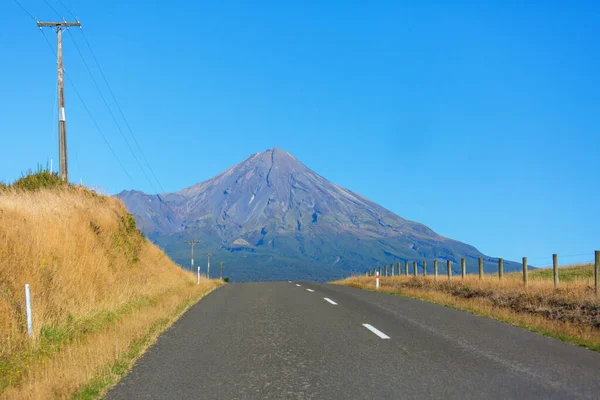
{"points": [[377, 280], [198, 276], [28, 305]]}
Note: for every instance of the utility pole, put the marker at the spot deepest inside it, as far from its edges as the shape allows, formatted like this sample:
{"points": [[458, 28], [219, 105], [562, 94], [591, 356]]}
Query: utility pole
{"points": [[62, 124], [221, 269], [192, 243], [208, 253]]}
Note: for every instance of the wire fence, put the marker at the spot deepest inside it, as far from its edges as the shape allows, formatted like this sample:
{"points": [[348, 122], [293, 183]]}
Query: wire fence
{"points": [[451, 269]]}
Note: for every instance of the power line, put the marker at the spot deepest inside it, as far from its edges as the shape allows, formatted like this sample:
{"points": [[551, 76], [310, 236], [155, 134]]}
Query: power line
{"points": [[139, 148], [102, 96], [560, 256], [52, 8], [97, 126], [67, 8], [121, 111], [24, 9], [77, 93], [54, 113], [88, 111], [110, 110]]}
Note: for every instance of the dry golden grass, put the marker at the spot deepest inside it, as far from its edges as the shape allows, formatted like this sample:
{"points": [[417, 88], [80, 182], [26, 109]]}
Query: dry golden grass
{"points": [[570, 313], [96, 284], [91, 360]]}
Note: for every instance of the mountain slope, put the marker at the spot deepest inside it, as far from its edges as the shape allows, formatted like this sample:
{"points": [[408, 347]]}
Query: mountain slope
{"points": [[270, 217]]}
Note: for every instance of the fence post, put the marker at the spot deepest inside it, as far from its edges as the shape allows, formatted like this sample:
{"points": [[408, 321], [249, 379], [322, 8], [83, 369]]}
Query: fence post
{"points": [[398, 268], [406, 268], [424, 267], [449, 267], [386, 270], [525, 277], [435, 269], [500, 268], [463, 267], [379, 271], [392, 268], [555, 268], [28, 305], [480, 268], [596, 267], [415, 268]]}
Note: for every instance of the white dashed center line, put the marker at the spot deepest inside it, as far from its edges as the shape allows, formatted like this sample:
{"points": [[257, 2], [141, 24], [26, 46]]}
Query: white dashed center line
{"points": [[310, 290], [298, 285], [330, 301], [290, 281], [376, 331]]}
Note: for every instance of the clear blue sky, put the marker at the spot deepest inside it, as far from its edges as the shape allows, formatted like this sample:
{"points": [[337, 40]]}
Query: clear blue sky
{"points": [[480, 120]]}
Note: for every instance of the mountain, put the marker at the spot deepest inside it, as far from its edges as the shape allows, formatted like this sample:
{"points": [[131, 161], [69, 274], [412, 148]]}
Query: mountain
{"points": [[272, 218]]}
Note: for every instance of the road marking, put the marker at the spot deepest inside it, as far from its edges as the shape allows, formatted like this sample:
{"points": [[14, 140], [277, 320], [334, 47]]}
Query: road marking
{"points": [[376, 331], [290, 282], [310, 290], [331, 301], [298, 285]]}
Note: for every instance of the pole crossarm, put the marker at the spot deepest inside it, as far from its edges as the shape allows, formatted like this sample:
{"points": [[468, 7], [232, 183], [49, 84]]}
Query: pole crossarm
{"points": [[61, 23]]}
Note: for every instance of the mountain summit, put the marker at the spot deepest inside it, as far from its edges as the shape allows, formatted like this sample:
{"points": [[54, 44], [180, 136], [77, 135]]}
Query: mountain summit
{"points": [[270, 217]]}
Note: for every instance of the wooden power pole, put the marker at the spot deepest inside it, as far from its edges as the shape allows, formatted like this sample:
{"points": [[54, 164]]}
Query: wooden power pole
{"points": [[62, 124], [208, 253], [192, 243], [221, 269]]}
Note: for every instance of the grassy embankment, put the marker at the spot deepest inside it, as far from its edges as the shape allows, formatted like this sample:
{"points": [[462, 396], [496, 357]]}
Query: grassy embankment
{"points": [[101, 293], [570, 313]]}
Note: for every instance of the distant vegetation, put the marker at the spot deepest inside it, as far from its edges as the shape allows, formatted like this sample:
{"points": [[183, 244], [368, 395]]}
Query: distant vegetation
{"points": [[100, 291], [570, 312]]}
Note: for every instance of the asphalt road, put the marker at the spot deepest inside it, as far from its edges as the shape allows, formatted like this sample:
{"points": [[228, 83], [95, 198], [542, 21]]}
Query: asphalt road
{"points": [[284, 341]]}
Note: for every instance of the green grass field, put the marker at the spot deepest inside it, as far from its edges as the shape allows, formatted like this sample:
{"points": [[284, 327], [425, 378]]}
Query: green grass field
{"points": [[571, 273]]}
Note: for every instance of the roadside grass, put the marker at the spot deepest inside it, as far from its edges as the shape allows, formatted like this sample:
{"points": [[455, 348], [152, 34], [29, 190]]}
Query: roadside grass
{"points": [[88, 366], [97, 286], [570, 313], [108, 375]]}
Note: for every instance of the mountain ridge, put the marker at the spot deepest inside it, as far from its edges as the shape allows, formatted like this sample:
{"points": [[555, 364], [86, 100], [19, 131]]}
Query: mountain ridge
{"points": [[271, 211]]}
